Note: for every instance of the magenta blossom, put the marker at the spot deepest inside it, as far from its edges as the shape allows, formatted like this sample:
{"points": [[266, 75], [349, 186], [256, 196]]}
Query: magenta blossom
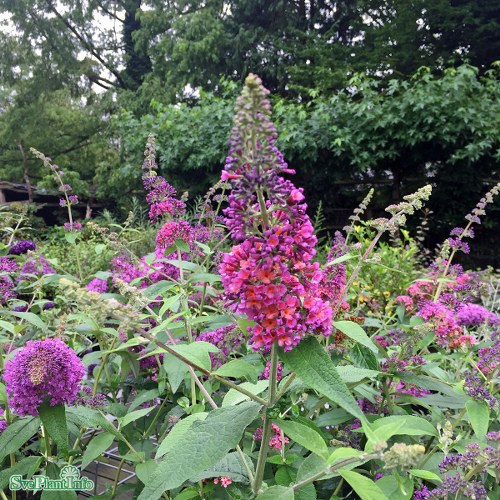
{"points": [[42, 370]]}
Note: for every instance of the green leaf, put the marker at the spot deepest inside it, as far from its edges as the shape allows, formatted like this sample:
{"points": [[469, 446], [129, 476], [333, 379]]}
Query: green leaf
{"points": [[305, 436], [90, 418], [231, 465], [315, 368], [97, 445], [400, 488], [479, 417], [187, 494], [363, 486], [176, 370], [7, 326], [54, 421], [197, 352], [411, 426], [277, 493], [146, 470], [134, 415], [58, 495], [177, 433], [352, 374], [143, 397], [343, 453], [285, 475], [312, 465], [355, 332], [425, 474], [25, 468], [208, 442], [237, 368], [234, 397], [244, 324], [31, 318], [17, 434], [363, 357]]}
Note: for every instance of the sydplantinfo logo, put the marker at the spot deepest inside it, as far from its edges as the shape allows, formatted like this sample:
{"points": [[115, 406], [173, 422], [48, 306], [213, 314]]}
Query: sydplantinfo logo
{"points": [[69, 480]]}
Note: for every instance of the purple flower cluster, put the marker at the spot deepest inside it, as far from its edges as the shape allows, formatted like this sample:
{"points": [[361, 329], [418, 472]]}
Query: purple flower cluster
{"points": [[475, 388], [227, 338], [334, 280], [35, 266], [475, 315], [97, 285], [88, 399], [267, 371], [22, 247], [489, 358], [3, 423], [390, 338], [42, 370], [161, 195], [457, 484]]}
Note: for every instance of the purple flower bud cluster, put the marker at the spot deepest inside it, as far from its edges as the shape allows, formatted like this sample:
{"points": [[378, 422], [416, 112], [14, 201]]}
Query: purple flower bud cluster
{"points": [[475, 388], [21, 247], [72, 198], [457, 484], [42, 370], [72, 226], [88, 399], [227, 338], [390, 338]]}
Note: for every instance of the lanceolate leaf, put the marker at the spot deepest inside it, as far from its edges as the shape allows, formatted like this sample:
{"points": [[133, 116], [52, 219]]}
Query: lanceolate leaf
{"points": [[277, 492], [17, 434], [305, 436], [315, 368], [208, 442], [355, 332], [26, 468], [96, 447], [54, 421], [363, 486], [479, 417]]}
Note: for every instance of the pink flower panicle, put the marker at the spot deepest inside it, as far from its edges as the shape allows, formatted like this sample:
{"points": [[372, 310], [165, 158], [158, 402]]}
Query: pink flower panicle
{"points": [[270, 276], [42, 369]]}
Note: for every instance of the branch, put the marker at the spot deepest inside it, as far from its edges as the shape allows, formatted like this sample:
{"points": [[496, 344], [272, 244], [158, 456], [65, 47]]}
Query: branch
{"points": [[86, 44]]}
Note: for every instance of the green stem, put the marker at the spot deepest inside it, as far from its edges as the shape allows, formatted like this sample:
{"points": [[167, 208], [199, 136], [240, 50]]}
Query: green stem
{"points": [[263, 209], [117, 477], [266, 432], [261, 461], [333, 468], [155, 418], [436, 448], [12, 456], [228, 383], [288, 383]]}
